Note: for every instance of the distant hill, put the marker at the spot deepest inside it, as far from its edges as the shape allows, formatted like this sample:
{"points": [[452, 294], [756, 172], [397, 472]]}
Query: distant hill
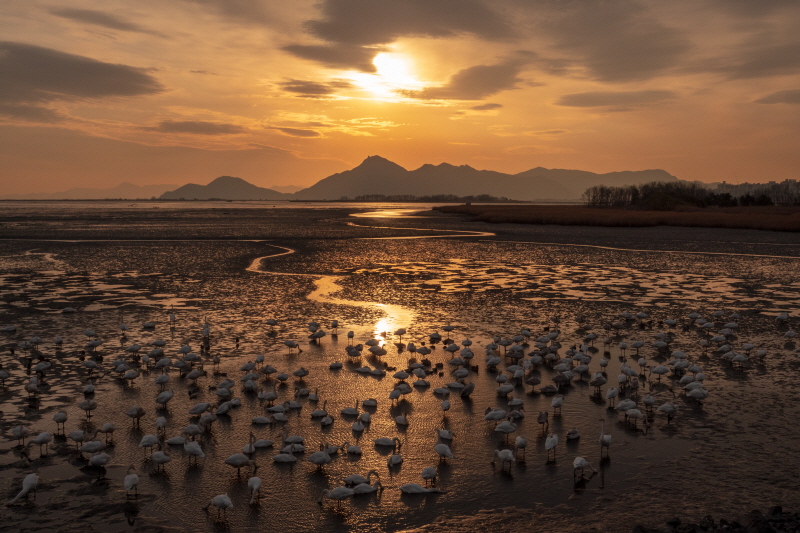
{"points": [[376, 175], [225, 188], [125, 190], [286, 188]]}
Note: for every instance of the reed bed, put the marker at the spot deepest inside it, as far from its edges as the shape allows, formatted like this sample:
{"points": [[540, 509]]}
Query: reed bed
{"points": [[770, 218]]}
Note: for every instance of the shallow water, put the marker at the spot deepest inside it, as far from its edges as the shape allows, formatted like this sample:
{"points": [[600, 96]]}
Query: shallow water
{"points": [[234, 269]]}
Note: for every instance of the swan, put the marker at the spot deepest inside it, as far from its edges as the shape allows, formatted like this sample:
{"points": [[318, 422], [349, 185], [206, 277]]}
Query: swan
{"points": [[386, 441], [136, 413], [28, 485], [543, 421], [100, 460], [444, 434], [192, 449], [444, 451], [550, 444], [164, 397], [505, 456], [131, 481], [350, 411], [366, 488], [320, 458], [358, 479], [413, 488], [338, 494], [60, 418], [42, 439], [556, 404], [160, 458], [293, 448], [429, 474], [286, 457], [254, 484], [19, 433], [605, 440], [222, 502], [520, 444], [394, 460], [319, 413], [238, 460], [250, 446], [669, 409], [580, 464], [148, 441], [573, 434], [506, 427]]}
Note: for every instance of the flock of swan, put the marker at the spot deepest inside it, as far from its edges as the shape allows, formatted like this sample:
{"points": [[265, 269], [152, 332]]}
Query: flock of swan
{"points": [[514, 360]]}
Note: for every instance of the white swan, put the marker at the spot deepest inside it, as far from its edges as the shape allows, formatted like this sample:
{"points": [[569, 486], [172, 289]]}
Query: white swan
{"points": [[505, 456], [605, 440], [414, 488], [444, 451], [28, 485], [366, 488], [131, 481], [338, 494], [386, 441], [254, 484], [222, 502], [358, 479]]}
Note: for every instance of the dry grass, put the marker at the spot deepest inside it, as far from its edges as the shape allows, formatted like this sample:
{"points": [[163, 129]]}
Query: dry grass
{"points": [[770, 218]]}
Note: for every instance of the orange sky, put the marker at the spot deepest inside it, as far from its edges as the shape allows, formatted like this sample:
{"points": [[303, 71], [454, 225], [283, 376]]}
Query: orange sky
{"points": [[95, 93]]}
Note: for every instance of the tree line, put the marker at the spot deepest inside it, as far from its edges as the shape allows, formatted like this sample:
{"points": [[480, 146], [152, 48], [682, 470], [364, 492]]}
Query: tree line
{"points": [[669, 195]]}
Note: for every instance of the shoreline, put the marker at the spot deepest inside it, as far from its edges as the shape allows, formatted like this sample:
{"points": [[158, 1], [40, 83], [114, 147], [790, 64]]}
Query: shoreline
{"points": [[768, 218]]}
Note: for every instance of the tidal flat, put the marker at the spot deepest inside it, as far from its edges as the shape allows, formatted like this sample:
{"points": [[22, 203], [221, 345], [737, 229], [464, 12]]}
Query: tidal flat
{"points": [[232, 267]]}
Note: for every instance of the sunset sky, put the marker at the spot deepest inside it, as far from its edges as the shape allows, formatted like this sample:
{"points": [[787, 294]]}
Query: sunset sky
{"points": [[287, 92]]}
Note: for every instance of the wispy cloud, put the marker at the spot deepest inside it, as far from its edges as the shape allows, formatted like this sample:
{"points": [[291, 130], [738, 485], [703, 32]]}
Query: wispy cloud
{"points": [[101, 18], [614, 98], [198, 127]]}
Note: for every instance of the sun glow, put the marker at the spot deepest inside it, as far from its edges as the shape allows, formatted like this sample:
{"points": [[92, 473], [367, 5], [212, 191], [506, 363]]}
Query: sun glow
{"points": [[394, 74]]}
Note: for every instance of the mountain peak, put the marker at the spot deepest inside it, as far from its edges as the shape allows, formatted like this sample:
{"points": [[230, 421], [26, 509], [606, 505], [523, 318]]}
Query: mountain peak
{"points": [[229, 180], [376, 162]]}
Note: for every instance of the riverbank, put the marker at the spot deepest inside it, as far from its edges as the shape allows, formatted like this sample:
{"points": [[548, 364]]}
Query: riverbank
{"points": [[771, 218]]}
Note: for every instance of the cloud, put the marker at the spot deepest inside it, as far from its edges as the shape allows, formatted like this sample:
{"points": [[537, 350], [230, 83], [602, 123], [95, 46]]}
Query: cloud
{"points": [[241, 11], [30, 113], [791, 96], [760, 62], [198, 127], [101, 18], [612, 41], [355, 30], [367, 22], [35, 75], [486, 107], [533, 149], [338, 56], [313, 89], [473, 83], [614, 98], [296, 132]]}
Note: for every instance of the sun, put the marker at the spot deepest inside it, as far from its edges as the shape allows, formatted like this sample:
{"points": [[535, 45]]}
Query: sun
{"points": [[394, 73], [394, 68]]}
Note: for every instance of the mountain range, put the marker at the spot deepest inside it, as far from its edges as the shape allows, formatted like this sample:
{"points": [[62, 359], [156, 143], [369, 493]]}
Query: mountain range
{"points": [[379, 176], [125, 190], [376, 175]]}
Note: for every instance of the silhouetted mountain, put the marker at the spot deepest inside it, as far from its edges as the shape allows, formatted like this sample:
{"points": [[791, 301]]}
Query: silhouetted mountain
{"points": [[580, 180], [224, 188], [127, 191], [377, 175]]}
